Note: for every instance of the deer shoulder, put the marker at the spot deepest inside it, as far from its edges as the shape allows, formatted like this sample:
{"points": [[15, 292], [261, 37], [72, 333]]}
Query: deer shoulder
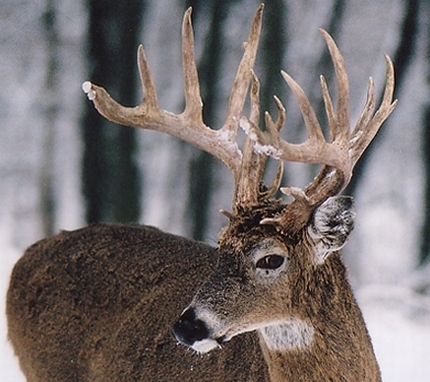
{"points": [[271, 302]]}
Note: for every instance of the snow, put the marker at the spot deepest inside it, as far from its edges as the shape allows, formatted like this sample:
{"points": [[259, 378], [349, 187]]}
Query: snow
{"points": [[89, 91], [400, 331]]}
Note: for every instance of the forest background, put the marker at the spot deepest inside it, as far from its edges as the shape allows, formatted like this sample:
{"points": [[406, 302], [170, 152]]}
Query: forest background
{"points": [[62, 166]]}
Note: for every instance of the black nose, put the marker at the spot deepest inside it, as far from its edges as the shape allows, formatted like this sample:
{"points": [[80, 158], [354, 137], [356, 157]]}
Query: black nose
{"points": [[188, 329]]}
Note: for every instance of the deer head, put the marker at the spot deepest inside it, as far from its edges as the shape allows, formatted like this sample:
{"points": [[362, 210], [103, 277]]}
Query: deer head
{"points": [[279, 267]]}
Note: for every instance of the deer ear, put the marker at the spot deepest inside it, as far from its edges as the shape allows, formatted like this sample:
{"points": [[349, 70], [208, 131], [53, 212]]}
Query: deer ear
{"points": [[331, 224]]}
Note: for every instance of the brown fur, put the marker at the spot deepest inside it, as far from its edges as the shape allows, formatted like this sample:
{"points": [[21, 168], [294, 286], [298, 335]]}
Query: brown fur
{"points": [[98, 304], [342, 349]]}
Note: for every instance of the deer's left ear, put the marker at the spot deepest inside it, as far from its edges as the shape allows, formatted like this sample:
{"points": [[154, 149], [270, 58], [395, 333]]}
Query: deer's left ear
{"points": [[331, 224]]}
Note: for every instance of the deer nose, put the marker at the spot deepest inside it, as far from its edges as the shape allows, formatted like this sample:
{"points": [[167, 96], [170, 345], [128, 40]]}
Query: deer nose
{"points": [[189, 329]]}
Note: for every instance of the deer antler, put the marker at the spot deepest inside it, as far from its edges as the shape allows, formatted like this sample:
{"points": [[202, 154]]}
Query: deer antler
{"points": [[339, 154], [189, 125]]}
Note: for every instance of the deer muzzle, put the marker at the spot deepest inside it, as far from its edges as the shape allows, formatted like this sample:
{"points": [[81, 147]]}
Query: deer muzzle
{"points": [[193, 332]]}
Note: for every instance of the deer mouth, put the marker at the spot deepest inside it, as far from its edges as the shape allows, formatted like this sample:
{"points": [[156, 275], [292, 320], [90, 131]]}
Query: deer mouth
{"points": [[195, 333], [205, 346], [208, 344]]}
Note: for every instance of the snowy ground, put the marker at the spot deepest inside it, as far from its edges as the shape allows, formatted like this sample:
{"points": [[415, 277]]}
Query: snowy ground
{"points": [[399, 323], [9, 369], [398, 320]]}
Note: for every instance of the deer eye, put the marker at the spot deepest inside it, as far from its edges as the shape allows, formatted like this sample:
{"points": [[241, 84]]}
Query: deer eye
{"points": [[270, 262]]}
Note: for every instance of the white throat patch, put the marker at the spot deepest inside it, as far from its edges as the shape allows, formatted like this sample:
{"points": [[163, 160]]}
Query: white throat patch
{"points": [[293, 334]]}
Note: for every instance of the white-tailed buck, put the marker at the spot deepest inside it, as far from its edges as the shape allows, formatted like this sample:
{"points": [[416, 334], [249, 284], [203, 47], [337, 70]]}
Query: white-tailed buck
{"points": [[271, 303]]}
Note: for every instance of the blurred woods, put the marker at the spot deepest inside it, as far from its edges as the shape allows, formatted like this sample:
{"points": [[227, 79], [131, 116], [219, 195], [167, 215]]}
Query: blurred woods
{"points": [[63, 166]]}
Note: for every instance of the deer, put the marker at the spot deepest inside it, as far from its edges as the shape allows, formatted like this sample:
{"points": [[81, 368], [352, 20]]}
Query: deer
{"points": [[272, 302]]}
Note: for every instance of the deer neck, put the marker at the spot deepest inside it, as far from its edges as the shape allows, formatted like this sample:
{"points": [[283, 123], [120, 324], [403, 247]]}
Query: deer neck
{"points": [[328, 342]]}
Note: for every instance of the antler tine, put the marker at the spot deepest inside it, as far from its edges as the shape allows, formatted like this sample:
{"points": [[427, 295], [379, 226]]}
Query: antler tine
{"points": [[193, 101], [239, 89], [368, 124], [313, 127], [274, 128], [331, 115], [341, 128], [189, 125], [367, 112], [151, 100]]}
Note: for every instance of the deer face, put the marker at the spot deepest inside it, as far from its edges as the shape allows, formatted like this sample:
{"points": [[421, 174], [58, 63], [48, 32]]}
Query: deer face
{"points": [[263, 280]]}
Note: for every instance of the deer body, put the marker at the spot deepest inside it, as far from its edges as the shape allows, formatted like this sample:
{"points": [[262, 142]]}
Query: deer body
{"points": [[86, 310], [271, 302]]}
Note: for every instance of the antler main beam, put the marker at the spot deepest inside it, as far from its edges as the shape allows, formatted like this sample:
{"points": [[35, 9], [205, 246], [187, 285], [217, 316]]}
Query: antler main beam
{"points": [[189, 125]]}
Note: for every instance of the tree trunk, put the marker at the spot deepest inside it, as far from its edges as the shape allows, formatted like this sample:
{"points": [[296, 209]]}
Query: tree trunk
{"points": [[111, 179]]}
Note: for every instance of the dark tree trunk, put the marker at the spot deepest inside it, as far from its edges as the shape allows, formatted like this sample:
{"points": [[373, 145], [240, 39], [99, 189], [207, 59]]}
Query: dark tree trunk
{"points": [[49, 20], [110, 175], [425, 238], [272, 53]]}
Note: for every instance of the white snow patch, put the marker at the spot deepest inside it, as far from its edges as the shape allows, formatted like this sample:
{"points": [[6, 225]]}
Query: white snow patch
{"points": [[399, 324], [247, 128], [9, 368], [259, 148], [89, 91], [268, 150]]}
